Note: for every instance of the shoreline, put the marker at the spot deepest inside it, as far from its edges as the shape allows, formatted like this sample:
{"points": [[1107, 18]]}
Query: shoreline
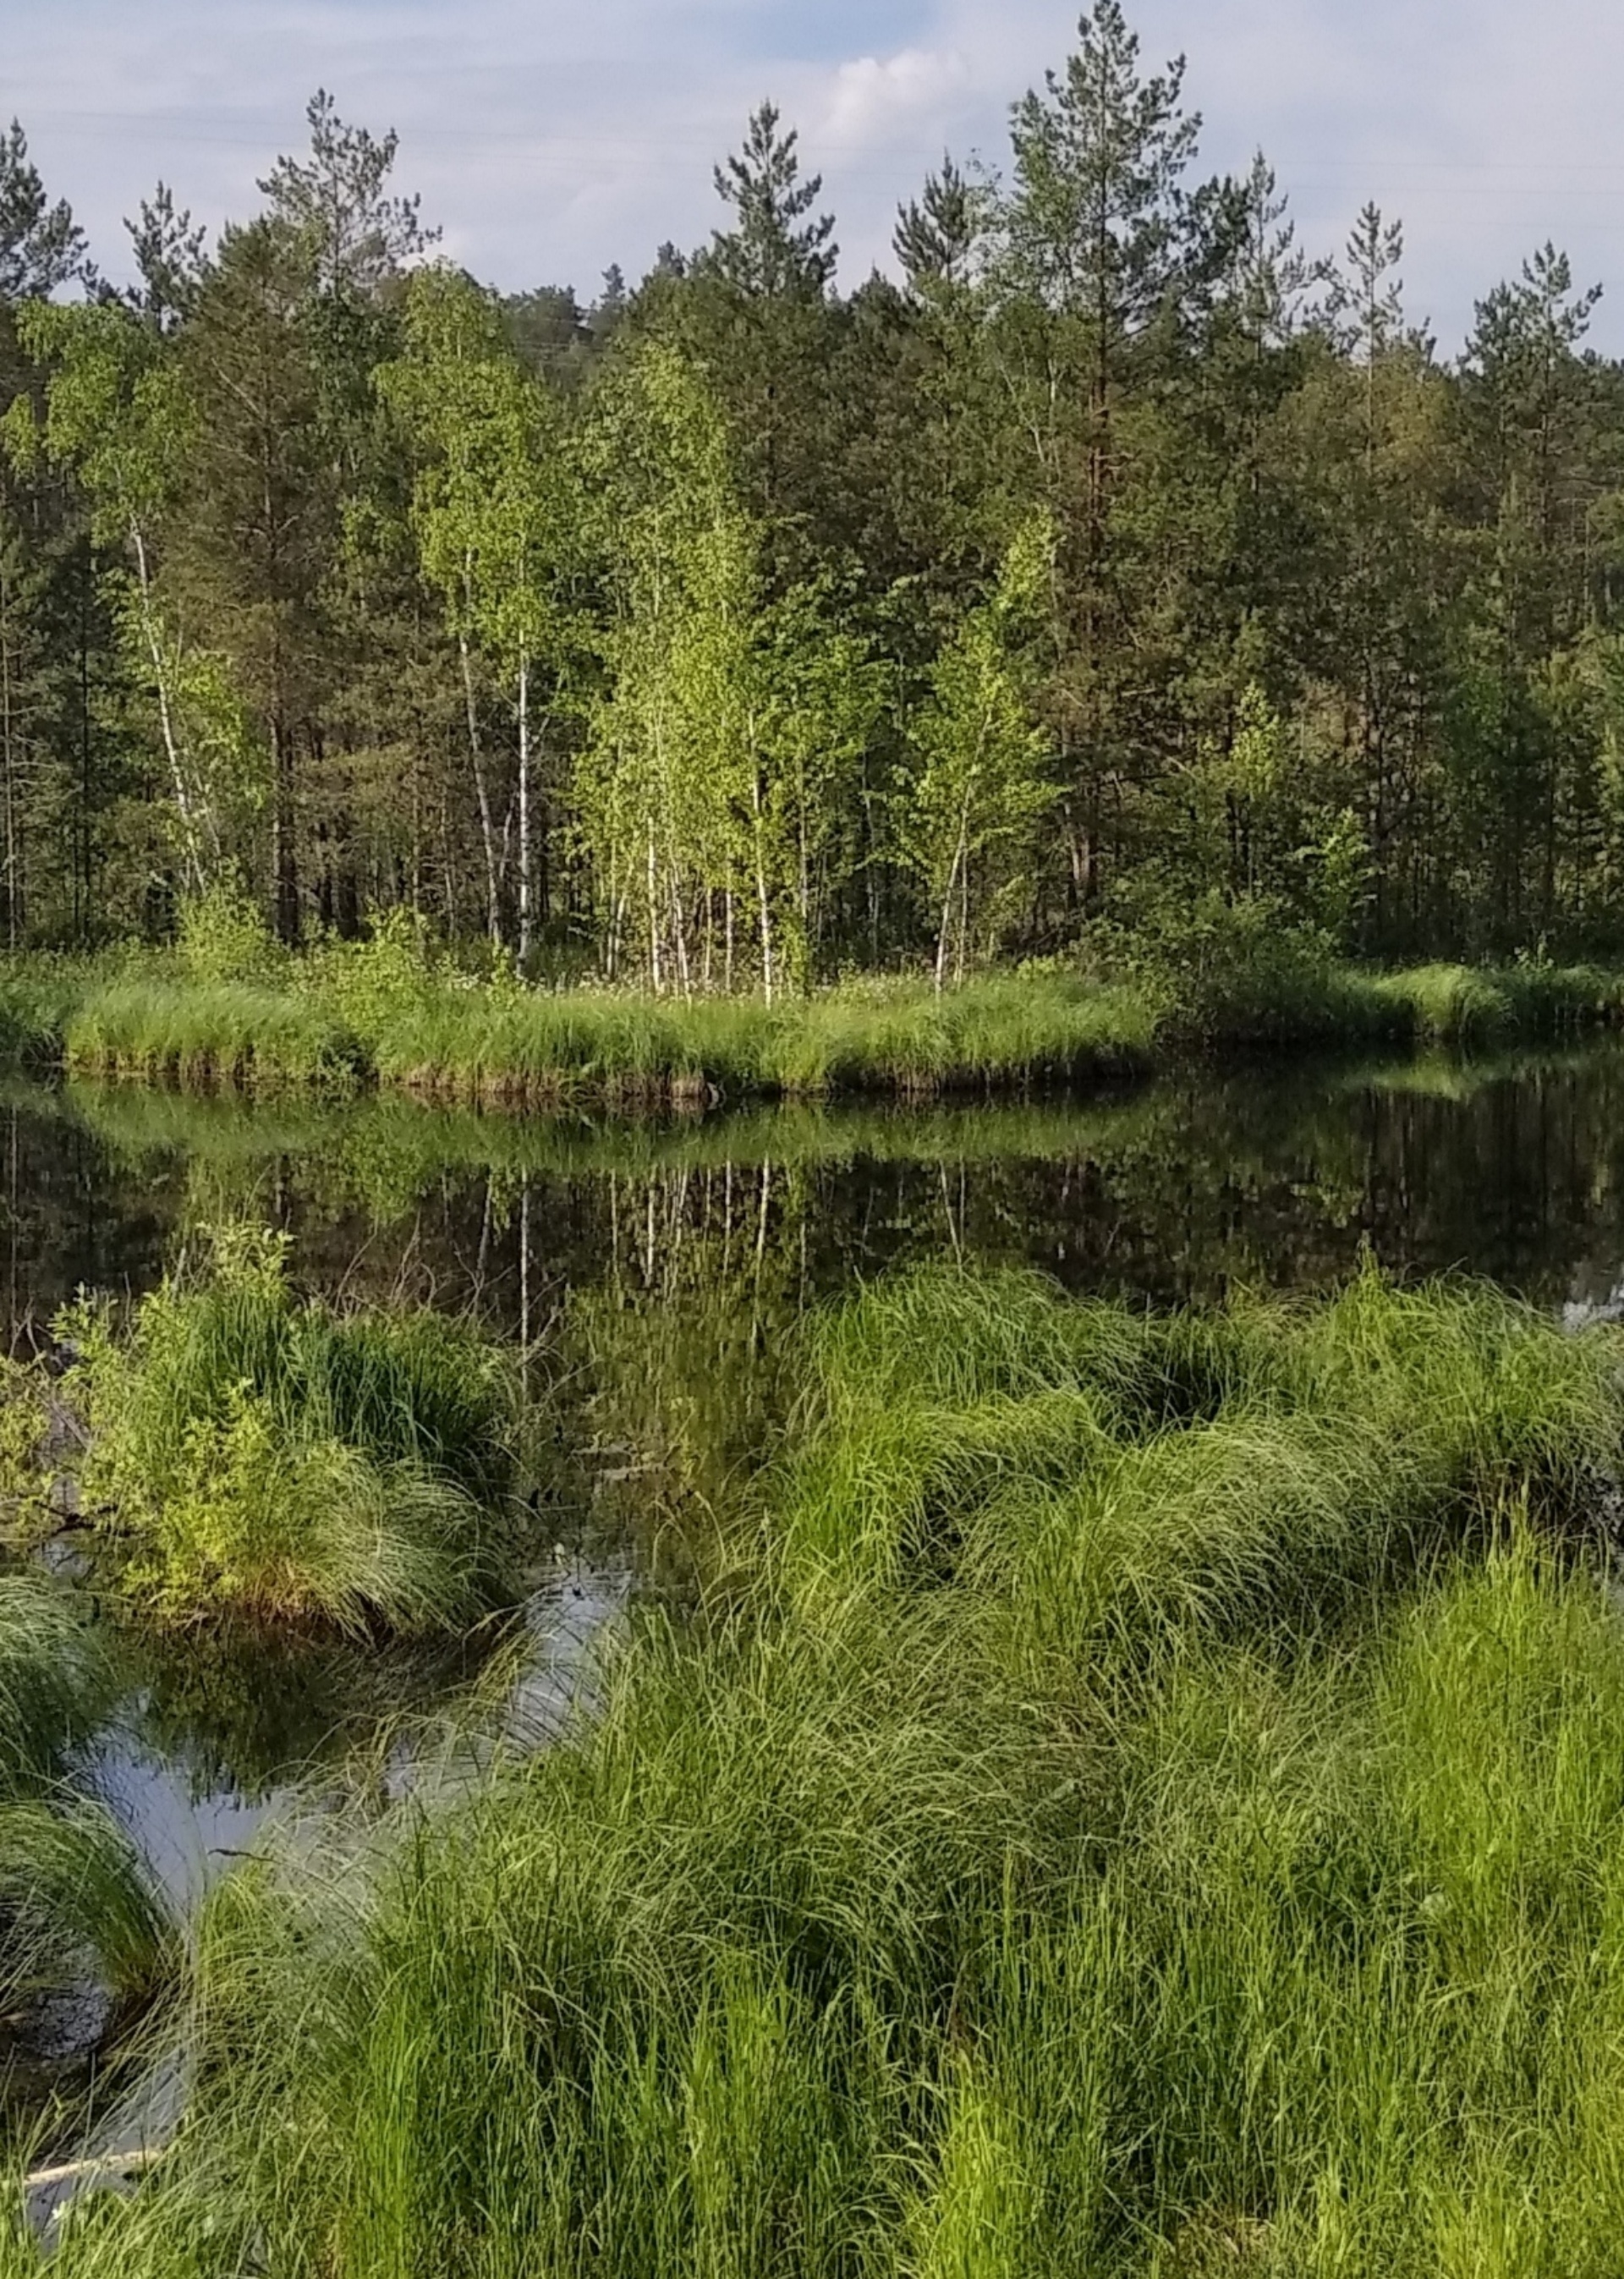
{"points": [[446, 1042]]}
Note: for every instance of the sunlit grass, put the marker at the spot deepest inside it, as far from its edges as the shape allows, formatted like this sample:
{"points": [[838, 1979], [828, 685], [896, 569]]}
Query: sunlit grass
{"points": [[202, 1032], [428, 1030], [254, 1450], [1152, 1803]]}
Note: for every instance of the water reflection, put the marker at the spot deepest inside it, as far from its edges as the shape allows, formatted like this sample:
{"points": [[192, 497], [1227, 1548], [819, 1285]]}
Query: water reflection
{"points": [[1258, 1174], [651, 1272]]}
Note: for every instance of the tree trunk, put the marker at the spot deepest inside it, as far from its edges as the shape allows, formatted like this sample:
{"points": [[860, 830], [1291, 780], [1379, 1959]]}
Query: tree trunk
{"points": [[285, 855], [653, 916], [525, 873], [166, 724], [487, 831], [945, 927], [7, 748], [762, 896]]}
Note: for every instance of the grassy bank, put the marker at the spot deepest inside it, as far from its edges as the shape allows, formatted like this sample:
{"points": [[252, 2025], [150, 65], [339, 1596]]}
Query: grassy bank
{"points": [[446, 1041], [1147, 1798], [345, 1017]]}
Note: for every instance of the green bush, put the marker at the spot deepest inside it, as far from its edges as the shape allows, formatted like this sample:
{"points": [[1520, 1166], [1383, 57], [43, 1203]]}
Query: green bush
{"points": [[259, 1452]]}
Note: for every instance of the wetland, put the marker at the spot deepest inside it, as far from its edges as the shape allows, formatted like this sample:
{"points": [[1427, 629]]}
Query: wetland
{"points": [[918, 1498]]}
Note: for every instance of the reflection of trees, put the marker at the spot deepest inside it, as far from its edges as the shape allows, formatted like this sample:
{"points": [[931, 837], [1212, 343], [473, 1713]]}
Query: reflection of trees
{"points": [[1261, 1174], [679, 1341], [242, 1711], [654, 1270]]}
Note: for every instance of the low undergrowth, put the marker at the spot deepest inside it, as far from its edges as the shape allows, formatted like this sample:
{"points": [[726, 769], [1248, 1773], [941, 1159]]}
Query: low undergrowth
{"points": [[1151, 1801], [244, 1448]]}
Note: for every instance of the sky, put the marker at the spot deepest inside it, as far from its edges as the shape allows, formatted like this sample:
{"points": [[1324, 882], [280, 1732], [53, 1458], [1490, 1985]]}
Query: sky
{"points": [[551, 137]]}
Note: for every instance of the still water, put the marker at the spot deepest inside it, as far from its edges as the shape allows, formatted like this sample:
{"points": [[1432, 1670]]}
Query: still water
{"points": [[652, 1272]]}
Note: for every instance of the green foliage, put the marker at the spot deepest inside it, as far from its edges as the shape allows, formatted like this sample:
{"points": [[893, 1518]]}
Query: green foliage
{"points": [[260, 1453], [980, 787], [222, 936], [1152, 1804], [739, 631]]}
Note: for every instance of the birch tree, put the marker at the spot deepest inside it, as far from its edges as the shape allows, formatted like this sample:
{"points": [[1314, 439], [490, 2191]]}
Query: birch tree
{"points": [[969, 811], [673, 806], [118, 416], [493, 513]]}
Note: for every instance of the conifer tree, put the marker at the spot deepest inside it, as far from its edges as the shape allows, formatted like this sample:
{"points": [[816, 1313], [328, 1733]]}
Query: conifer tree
{"points": [[41, 246], [936, 236], [337, 198], [776, 245], [169, 262]]}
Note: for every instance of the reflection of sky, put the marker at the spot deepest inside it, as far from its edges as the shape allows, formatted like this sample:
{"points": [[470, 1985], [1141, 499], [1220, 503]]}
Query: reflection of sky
{"points": [[552, 140], [188, 1836], [185, 1840]]}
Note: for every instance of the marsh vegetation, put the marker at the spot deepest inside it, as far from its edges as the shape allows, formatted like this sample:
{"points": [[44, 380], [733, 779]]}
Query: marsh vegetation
{"points": [[1139, 1793], [742, 1535]]}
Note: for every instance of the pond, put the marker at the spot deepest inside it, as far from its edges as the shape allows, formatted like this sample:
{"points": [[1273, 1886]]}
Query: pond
{"points": [[650, 1272]]}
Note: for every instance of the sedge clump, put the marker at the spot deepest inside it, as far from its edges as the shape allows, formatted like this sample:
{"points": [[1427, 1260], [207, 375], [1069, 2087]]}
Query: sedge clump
{"points": [[252, 1450]]}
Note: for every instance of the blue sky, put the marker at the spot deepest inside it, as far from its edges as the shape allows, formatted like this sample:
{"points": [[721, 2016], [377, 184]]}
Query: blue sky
{"points": [[551, 137]]}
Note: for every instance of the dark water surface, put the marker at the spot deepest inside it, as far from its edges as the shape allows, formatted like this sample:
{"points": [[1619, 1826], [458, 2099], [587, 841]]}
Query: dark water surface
{"points": [[1260, 1174], [650, 1270]]}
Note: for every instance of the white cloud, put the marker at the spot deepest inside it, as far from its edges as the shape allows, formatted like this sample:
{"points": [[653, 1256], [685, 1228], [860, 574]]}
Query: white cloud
{"points": [[873, 99], [554, 139]]}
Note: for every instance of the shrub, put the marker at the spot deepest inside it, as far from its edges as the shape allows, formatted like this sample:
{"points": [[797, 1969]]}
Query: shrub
{"points": [[268, 1453]]}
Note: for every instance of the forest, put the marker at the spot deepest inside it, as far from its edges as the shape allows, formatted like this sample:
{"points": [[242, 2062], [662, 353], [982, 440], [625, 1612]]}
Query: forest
{"points": [[1121, 572], [642, 1633]]}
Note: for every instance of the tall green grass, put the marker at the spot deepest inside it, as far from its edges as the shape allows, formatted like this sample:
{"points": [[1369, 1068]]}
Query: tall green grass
{"points": [[209, 1031], [1151, 1802], [37, 996], [259, 1452], [427, 1030], [80, 1916]]}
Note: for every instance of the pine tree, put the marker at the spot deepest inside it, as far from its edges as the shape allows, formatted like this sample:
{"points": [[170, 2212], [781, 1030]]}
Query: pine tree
{"points": [[254, 537], [776, 245], [169, 258], [936, 236], [41, 246], [337, 198]]}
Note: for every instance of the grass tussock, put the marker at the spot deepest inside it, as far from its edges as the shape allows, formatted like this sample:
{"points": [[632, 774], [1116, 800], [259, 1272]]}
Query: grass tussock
{"points": [[1153, 1805], [255, 1451], [224, 1032], [80, 1920]]}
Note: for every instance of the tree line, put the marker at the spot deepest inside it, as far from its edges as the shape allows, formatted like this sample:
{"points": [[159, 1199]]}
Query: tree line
{"points": [[1116, 571]]}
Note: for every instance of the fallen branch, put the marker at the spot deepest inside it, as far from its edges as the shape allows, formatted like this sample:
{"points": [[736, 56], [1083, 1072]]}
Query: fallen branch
{"points": [[101, 2164]]}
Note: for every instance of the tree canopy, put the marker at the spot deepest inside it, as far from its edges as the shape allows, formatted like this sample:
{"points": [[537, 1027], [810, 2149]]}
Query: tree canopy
{"points": [[1123, 556]]}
